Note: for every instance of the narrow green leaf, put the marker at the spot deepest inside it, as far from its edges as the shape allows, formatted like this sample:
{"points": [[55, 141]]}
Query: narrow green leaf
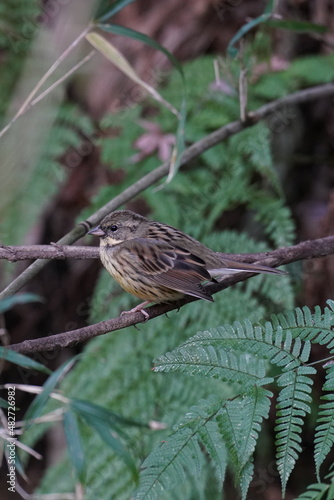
{"points": [[20, 298], [111, 439], [179, 146], [73, 439], [104, 414], [300, 26], [116, 7], [231, 50], [121, 63], [21, 360], [141, 37], [36, 407], [106, 48]]}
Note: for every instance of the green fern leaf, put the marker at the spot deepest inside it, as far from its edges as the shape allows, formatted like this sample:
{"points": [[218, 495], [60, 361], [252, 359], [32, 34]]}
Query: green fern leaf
{"points": [[315, 328], [277, 344], [170, 463], [245, 477], [275, 217], [292, 406], [210, 437], [324, 434], [240, 424], [316, 492], [211, 362]]}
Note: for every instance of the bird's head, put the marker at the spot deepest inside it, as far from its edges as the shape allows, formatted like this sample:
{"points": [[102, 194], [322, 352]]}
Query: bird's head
{"points": [[120, 226]]}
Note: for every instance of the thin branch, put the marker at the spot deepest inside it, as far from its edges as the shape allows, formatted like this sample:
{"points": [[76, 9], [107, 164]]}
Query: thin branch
{"points": [[305, 250], [53, 251], [309, 249], [36, 389], [62, 79], [189, 154]]}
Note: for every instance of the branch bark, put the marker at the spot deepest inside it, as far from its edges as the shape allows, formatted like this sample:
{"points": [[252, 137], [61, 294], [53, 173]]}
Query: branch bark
{"points": [[310, 249], [189, 154], [305, 250]]}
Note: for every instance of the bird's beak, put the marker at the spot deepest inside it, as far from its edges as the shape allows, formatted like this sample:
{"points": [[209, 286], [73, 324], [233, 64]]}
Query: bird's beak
{"points": [[96, 231]]}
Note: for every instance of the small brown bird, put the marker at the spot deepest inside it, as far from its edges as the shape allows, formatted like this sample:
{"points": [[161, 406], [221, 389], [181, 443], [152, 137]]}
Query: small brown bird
{"points": [[159, 263]]}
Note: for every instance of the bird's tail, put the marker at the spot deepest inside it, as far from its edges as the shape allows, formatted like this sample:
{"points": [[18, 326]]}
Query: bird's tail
{"points": [[233, 267]]}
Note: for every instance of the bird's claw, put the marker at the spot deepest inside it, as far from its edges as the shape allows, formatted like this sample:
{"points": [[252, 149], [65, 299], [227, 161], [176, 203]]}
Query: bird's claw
{"points": [[135, 309]]}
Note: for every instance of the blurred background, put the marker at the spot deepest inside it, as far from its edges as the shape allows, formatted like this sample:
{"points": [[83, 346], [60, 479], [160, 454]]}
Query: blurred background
{"points": [[96, 133]]}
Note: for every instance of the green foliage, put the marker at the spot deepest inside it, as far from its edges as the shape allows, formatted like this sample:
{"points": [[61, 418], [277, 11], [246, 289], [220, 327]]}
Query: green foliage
{"points": [[215, 414], [236, 174], [172, 459], [20, 298], [319, 491], [108, 425], [20, 360], [293, 404], [240, 425], [224, 427], [209, 354], [324, 438], [304, 72], [115, 370]]}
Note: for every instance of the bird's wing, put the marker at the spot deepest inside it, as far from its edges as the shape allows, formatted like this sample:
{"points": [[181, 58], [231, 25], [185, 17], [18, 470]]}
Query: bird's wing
{"points": [[167, 265]]}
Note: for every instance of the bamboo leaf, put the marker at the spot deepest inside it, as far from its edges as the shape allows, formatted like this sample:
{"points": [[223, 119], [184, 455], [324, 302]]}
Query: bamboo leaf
{"points": [[231, 50], [141, 37], [300, 26], [20, 298], [112, 11], [36, 407], [74, 444], [106, 48], [21, 360], [109, 437]]}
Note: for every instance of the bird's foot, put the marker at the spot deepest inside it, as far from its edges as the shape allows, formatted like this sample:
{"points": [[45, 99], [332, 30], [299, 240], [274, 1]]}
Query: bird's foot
{"points": [[139, 308]]}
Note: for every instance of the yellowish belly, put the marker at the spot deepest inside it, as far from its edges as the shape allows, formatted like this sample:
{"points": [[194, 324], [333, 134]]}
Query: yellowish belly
{"points": [[137, 284]]}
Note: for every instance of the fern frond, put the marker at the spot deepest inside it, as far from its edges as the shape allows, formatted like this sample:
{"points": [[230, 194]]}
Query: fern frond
{"points": [[254, 147], [316, 491], [170, 463], [240, 424], [315, 328], [293, 404], [276, 345], [210, 437], [275, 217], [211, 362], [324, 433]]}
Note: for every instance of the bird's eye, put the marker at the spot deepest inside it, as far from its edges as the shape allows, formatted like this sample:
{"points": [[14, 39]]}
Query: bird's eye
{"points": [[113, 228]]}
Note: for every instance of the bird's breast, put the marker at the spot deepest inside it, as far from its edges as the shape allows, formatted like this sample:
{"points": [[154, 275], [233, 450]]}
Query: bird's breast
{"points": [[122, 268]]}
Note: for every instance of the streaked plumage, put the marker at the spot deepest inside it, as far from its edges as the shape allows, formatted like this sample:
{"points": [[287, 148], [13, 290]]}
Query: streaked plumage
{"points": [[159, 263]]}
